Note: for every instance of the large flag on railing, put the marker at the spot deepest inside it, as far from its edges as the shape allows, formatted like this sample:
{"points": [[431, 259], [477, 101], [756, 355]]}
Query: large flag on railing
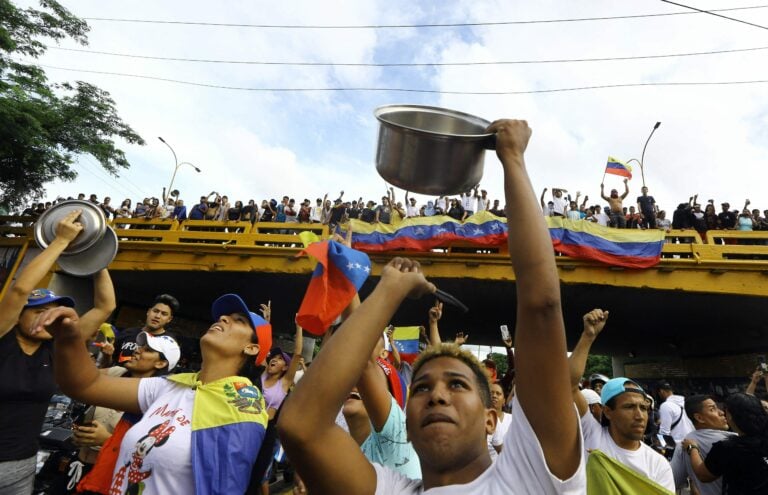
{"points": [[631, 248], [617, 167], [339, 274], [425, 233]]}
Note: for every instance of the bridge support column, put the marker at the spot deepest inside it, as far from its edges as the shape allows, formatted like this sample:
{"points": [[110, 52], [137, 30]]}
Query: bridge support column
{"points": [[618, 365]]}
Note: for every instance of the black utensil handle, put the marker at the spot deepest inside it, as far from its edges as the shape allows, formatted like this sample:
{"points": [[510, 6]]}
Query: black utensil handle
{"points": [[447, 298]]}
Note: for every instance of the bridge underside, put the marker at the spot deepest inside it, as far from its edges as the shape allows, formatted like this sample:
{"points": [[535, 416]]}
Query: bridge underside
{"points": [[644, 322]]}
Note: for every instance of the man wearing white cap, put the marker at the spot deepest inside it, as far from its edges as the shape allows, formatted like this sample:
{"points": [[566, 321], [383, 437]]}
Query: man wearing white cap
{"points": [[593, 403]]}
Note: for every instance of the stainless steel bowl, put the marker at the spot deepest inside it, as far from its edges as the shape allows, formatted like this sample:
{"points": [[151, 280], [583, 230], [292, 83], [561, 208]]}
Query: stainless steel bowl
{"points": [[92, 260], [92, 217], [431, 150]]}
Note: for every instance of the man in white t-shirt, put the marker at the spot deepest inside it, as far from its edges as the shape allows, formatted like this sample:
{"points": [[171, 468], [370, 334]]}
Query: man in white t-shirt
{"points": [[468, 201], [483, 201], [411, 208], [620, 433], [449, 411], [673, 420]]}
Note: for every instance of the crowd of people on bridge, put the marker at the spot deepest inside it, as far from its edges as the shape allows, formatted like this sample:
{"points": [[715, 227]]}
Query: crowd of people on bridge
{"points": [[643, 214], [358, 418]]}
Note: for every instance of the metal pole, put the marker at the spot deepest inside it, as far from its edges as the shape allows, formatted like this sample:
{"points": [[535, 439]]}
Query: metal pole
{"points": [[175, 169], [642, 170]]}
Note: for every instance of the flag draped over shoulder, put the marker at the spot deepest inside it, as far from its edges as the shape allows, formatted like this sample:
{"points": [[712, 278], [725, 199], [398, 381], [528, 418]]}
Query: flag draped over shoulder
{"points": [[339, 274], [407, 342], [606, 476], [630, 248], [616, 167]]}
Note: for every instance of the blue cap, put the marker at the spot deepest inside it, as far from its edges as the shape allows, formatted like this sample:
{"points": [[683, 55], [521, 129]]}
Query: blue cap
{"points": [[232, 303], [40, 297], [616, 387]]}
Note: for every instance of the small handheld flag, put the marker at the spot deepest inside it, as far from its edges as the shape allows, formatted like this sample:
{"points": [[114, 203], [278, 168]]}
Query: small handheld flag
{"points": [[339, 274], [616, 167]]}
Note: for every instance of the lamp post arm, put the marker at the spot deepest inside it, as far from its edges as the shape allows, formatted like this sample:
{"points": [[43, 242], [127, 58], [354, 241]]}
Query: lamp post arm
{"points": [[642, 156]]}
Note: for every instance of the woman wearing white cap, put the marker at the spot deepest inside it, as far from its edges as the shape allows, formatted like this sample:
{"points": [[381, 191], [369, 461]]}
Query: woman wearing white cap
{"points": [[26, 357], [200, 432]]}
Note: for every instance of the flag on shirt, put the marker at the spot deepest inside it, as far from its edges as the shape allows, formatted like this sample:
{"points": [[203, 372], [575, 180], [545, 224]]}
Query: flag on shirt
{"points": [[617, 167], [406, 339], [606, 476], [339, 274]]}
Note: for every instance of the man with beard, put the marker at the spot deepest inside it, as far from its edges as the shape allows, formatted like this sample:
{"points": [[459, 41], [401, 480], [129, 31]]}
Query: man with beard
{"points": [[711, 427], [158, 317], [615, 202]]}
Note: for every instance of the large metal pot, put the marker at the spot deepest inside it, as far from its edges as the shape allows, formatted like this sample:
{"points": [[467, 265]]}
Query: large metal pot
{"points": [[430, 150], [95, 246]]}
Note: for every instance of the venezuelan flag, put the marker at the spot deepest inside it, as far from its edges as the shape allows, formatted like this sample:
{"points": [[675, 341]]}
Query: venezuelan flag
{"points": [[339, 274], [407, 342], [619, 247], [229, 422], [425, 233], [629, 248], [616, 167], [607, 476]]}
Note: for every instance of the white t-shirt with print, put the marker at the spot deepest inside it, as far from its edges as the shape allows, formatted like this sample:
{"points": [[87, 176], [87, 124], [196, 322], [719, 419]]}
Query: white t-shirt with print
{"points": [[644, 460], [520, 469], [156, 451], [497, 438]]}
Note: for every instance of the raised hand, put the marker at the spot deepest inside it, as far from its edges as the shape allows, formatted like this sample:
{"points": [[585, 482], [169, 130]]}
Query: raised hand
{"points": [[461, 338], [594, 321], [405, 275], [436, 312], [68, 227], [266, 310], [108, 349]]}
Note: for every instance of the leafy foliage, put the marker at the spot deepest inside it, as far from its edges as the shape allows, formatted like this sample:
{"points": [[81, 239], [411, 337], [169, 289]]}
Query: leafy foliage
{"points": [[598, 363], [44, 126]]}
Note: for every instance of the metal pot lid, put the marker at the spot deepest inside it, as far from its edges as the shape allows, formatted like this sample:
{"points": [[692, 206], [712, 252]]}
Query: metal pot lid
{"points": [[93, 259], [92, 217], [433, 120]]}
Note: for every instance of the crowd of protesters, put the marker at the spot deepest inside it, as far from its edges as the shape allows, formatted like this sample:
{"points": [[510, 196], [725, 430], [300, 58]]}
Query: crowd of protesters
{"points": [[340, 420], [644, 214]]}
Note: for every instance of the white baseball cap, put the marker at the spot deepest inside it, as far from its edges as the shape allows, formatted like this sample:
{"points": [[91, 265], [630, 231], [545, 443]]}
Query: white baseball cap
{"points": [[590, 396], [161, 343]]}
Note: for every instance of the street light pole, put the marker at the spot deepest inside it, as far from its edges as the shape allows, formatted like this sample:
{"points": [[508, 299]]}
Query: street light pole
{"points": [[642, 170], [176, 168]]}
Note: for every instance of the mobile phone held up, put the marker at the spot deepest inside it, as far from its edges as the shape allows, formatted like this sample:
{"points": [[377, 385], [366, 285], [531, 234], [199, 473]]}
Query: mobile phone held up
{"points": [[83, 416], [505, 333]]}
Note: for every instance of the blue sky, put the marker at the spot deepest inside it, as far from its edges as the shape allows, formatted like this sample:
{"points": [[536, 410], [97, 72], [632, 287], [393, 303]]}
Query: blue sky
{"points": [[264, 144]]}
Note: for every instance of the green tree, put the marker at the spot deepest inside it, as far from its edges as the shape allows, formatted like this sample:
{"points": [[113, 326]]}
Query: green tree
{"points": [[44, 126], [501, 363], [598, 363]]}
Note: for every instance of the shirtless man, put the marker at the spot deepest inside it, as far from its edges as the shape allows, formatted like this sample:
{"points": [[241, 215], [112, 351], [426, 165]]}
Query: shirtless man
{"points": [[615, 201]]}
